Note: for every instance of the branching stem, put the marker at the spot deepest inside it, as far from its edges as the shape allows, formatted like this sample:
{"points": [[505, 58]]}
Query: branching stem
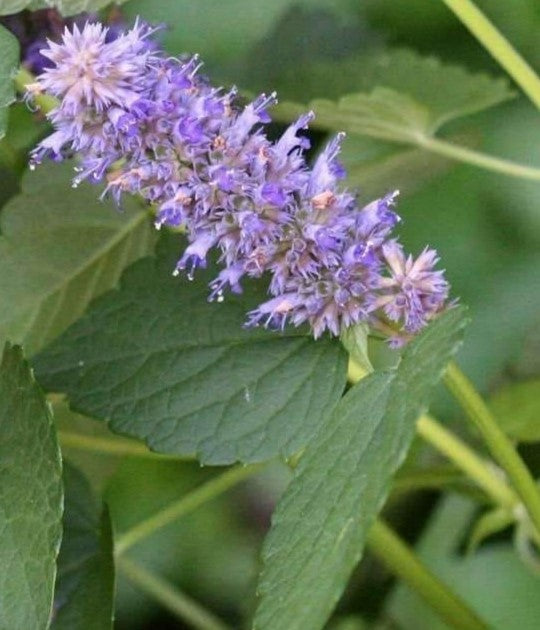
{"points": [[498, 443], [403, 562]]}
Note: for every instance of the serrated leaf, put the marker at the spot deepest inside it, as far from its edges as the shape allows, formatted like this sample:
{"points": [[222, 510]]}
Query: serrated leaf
{"points": [[9, 60], [30, 497], [159, 363], [319, 527], [398, 96], [84, 591], [59, 249]]}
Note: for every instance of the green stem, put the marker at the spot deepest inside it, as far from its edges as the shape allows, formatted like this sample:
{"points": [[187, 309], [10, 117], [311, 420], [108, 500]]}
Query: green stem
{"points": [[24, 79], [178, 603], [482, 160], [467, 460], [108, 446], [498, 443], [498, 47], [183, 506], [402, 561]]}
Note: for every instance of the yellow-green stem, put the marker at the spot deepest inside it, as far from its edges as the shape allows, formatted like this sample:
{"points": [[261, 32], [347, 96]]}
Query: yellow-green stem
{"points": [[501, 447], [403, 562], [474, 466], [170, 597], [475, 158], [497, 46], [109, 446], [183, 506]]}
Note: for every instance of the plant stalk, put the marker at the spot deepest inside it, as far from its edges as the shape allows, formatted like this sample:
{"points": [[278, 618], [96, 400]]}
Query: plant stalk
{"points": [[403, 562], [174, 600], [498, 443], [183, 506], [498, 46], [474, 466]]}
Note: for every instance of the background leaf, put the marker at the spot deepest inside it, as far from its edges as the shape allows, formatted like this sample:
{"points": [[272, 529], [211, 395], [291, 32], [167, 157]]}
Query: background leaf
{"points": [[30, 497], [159, 363], [60, 248], [398, 95], [320, 524], [517, 409], [65, 7], [84, 591], [9, 60]]}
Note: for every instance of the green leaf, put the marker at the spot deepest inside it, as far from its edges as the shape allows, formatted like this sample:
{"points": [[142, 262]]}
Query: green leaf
{"points": [[374, 167], [319, 527], [517, 409], [211, 32], [159, 363], [489, 523], [9, 60], [60, 248], [355, 341], [85, 583], [65, 7], [398, 96], [30, 497]]}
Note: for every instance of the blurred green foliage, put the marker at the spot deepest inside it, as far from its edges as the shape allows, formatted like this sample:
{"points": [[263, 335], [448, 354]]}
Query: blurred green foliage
{"points": [[485, 226]]}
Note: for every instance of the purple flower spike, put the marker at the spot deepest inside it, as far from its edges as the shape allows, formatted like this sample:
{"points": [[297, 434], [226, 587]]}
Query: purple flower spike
{"points": [[150, 125]]}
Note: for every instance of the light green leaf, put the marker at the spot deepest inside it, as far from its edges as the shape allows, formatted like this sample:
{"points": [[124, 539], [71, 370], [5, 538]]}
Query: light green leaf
{"points": [[159, 363], [489, 523], [355, 341], [9, 60], [60, 248], [319, 527], [84, 591], [398, 96], [30, 497], [517, 409]]}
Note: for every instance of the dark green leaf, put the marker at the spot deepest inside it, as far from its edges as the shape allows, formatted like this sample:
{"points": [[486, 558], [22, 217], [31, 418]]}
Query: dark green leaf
{"points": [[60, 248], [319, 527], [159, 363], [9, 60], [30, 498], [517, 409], [85, 583], [65, 7], [218, 33]]}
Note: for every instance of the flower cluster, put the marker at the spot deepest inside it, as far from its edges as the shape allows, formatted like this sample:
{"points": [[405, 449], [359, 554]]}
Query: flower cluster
{"points": [[34, 28], [150, 125]]}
